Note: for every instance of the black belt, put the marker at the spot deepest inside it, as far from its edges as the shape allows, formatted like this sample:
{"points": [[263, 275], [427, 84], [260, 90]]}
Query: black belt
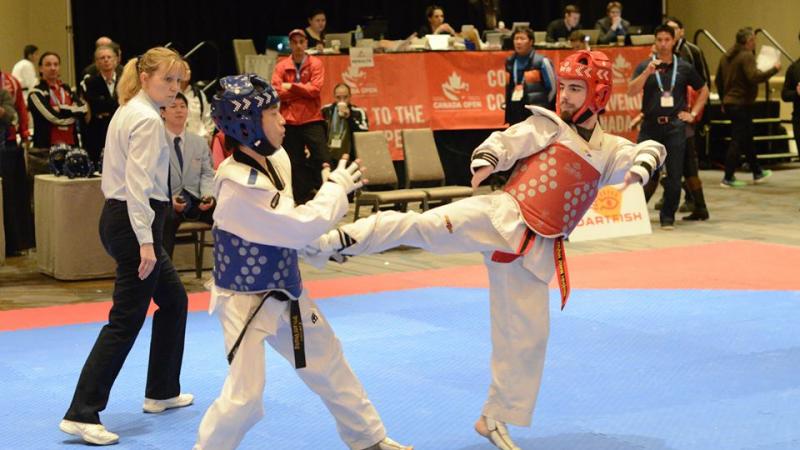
{"points": [[659, 120], [296, 322]]}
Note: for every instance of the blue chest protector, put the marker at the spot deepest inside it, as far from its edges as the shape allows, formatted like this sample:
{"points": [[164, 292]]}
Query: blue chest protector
{"points": [[248, 267]]}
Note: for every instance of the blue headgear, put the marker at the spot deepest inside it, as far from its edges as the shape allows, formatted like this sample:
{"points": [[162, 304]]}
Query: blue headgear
{"points": [[237, 110], [78, 164], [58, 153]]}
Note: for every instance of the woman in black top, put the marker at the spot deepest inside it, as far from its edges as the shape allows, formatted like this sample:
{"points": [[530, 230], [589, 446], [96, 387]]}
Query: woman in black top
{"points": [[315, 31]]}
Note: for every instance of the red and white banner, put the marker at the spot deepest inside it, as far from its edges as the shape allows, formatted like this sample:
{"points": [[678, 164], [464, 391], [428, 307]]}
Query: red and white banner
{"points": [[458, 90]]}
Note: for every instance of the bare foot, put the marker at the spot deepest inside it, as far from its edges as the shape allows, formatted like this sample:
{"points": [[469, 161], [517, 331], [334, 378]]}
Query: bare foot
{"points": [[481, 428]]}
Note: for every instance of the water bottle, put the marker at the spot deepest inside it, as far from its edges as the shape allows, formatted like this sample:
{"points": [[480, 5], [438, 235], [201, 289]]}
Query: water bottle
{"points": [[359, 33]]}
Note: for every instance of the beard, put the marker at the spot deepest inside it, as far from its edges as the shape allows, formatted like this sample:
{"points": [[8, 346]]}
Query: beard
{"points": [[566, 115]]}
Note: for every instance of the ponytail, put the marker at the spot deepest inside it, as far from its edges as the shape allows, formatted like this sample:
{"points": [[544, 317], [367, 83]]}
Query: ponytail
{"points": [[130, 84]]}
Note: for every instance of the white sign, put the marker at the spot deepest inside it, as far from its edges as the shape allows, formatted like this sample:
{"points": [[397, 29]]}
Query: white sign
{"points": [[361, 57], [614, 213]]}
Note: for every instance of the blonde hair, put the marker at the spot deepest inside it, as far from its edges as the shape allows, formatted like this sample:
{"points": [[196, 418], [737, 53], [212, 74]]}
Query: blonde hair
{"points": [[157, 57]]}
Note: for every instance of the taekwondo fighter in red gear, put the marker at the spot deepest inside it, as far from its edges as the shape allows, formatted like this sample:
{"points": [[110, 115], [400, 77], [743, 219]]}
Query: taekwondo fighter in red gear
{"points": [[560, 162]]}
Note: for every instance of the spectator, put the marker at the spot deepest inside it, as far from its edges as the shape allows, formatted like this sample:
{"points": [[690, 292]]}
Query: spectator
{"points": [[664, 79], [315, 31], [11, 84], [103, 41], [199, 121], [531, 79], [54, 113], [560, 29], [343, 119], [737, 83], [436, 23], [791, 93], [17, 217], [693, 186], [613, 27], [24, 71], [191, 175], [298, 80], [7, 115], [578, 41], [100, 95]]}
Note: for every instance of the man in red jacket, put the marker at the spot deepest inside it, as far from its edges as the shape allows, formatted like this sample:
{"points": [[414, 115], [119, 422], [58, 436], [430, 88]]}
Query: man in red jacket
{"points": [[298, 80]]}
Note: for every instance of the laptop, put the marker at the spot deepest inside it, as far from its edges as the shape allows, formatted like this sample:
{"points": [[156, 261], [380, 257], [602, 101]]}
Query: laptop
{"points": [[279, 43], [642, 39], [592, 33], [516, 25], [345, 39], [634, 29], [438, 41]]}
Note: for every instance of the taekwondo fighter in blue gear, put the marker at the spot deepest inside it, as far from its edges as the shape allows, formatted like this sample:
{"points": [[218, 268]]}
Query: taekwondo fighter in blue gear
{"points": [[560, 162], [257, 289]]}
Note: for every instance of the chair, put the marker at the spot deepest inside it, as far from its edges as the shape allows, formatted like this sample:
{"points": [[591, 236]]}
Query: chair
{"points": [[192, 232], [424, 166], [242, 48], [373, 150]]}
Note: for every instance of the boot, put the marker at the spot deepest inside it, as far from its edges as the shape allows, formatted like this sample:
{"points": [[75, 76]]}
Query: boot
{"points": [[700, 210]]}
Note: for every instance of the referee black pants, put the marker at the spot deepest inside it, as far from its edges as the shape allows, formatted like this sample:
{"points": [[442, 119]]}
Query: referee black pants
{"points": [[131, 299]]}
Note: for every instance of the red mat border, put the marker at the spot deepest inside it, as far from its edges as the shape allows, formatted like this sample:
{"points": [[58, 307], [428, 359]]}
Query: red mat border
{"points": [[735, 265]]}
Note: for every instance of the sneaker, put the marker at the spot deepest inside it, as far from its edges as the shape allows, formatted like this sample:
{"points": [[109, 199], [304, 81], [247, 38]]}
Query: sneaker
{"points": [[93, 433], [734, 183], [389, 444], [762, 177], [667, 226], [156, 406]]}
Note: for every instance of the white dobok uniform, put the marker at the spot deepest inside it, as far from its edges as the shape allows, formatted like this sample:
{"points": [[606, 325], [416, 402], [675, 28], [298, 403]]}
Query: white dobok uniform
{"points": [[556, 179], [258, 227]]}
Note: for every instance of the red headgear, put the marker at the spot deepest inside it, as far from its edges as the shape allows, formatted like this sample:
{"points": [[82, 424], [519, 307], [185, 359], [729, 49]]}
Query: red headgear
{"points": [[595, 69]]}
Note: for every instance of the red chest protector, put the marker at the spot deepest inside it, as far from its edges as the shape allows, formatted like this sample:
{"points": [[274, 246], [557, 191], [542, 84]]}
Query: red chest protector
{"points": [[553, 189]]}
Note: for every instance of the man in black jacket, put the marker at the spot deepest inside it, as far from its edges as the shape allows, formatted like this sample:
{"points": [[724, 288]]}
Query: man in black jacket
{"points": [[560, 29], [100, 93], [791, 93]]}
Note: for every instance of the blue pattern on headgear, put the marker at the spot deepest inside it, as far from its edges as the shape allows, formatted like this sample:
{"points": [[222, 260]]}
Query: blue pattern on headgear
{"points": [[78, 164], [58, 154], [237, 110]]}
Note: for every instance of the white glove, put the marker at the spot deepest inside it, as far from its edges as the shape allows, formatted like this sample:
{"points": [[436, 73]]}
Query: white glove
{"points": [[346, 176]]}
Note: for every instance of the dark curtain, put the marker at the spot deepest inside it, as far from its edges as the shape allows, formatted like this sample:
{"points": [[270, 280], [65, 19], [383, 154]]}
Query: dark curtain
{"points": [[139, 25]]}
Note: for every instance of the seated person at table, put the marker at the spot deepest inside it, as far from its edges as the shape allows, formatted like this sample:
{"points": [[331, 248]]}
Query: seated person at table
{"points": [[562, 28], [191, 177], [343, 119], [436, 23], [613, 25]]}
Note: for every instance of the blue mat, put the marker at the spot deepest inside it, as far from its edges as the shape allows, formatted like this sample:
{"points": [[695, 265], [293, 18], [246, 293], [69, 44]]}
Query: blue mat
{"points": [[626, 369]]}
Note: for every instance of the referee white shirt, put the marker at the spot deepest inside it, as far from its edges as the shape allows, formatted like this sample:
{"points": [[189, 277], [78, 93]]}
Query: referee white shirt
{"points": [[136, 162]]}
